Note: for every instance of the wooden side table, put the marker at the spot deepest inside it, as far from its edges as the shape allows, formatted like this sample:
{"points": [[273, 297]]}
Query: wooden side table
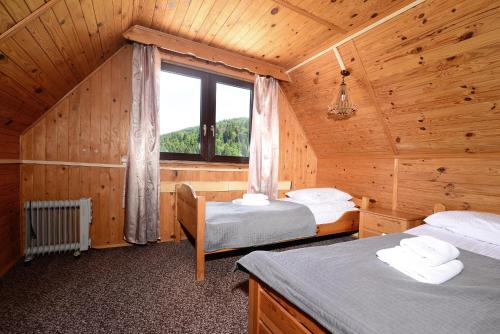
{"points": [[375, 221]]}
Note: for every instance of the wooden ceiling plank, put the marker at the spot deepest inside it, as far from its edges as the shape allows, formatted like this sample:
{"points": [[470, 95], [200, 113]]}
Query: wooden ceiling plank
{"points": [[215, 11], [63, 18], [127, 12], [358, 32], [231, 23], [29, 44], [158, 14], [180, 14], [253, 21], [287, 28], [117, 10], [169, 16], [147, 8], [87, 8], [46, 76], [45, 42], [18, 74], [185, 46], [267, 29], [310, 16], [220, 21], [295, 38], [240, 26], [104, 24], [78, 19], [34, 4], [27, 19], [190, 17], [6, 21], [11, 86], [19, 70], [65, 46]]}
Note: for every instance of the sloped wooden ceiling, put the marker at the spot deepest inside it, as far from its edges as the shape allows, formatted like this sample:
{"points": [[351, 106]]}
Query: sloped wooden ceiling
{"points": [[57, 43], [426, 82]]}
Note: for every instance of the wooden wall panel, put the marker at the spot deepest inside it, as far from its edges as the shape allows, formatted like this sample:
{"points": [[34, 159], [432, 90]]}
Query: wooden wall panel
{"points": [[90, 125], [298, 162], [372, 177], [459, 183], [9, 200], [415, 184], [9, 216]]}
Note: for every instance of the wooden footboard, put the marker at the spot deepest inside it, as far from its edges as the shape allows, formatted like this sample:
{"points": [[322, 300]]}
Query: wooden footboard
{"points": [[268, 312], [349, 222], [190, 214]]}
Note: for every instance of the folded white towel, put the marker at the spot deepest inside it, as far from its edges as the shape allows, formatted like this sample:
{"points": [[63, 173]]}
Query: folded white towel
{"points": [[241, 201], [431, 251], [253, 197], [404, 261]]}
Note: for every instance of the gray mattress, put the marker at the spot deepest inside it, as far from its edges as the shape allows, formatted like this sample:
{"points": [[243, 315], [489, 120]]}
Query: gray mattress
{"points": [[231, 225], [345, 288]]}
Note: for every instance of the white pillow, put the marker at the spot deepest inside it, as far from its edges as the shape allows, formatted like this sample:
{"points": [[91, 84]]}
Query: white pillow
{"points": [[317, 195], [482, 226]]}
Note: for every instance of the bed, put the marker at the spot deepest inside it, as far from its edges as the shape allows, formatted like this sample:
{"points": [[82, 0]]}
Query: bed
{"points": [[298, 292], [212, 227]]}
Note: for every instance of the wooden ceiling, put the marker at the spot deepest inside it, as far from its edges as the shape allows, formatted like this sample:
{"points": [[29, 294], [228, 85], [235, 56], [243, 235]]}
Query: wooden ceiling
{"points": [[48, 46], [426, 82]]}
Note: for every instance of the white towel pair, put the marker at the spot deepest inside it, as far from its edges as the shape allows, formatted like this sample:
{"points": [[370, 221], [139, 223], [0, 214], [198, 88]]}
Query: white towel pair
{"points": [[430, 251], [414, 258], [252, 200], [255, 197]]}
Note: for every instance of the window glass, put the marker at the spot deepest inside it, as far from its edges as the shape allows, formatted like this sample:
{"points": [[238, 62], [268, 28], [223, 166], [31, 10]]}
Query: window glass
{"points": [[203, 116], [232, 125], [180, 103]]}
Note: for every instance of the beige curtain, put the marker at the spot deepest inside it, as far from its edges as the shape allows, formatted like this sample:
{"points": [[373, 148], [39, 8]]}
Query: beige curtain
{"points": [[142, 196], [264, 142]]}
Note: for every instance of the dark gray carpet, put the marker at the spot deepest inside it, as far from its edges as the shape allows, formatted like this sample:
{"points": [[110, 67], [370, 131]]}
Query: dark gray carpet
{"points": [[147, 289]]}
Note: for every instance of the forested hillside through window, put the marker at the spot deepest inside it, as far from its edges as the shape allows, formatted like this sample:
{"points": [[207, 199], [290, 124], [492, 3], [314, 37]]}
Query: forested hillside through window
{"points": [[231, 139]]}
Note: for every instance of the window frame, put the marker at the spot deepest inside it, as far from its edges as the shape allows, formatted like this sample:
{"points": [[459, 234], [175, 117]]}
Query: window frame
{"points": [[208, 110]]}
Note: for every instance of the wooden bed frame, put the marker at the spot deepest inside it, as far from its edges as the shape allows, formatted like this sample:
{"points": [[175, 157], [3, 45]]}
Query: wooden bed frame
{"points": [[190, 214], [269, 312]]}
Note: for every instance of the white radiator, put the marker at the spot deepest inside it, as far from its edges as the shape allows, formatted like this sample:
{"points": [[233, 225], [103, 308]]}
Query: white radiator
{"points": [[57, 227]]}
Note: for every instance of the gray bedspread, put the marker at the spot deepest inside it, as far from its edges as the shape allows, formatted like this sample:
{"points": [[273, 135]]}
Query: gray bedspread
{"points": [[231, 225], [347, 289]]}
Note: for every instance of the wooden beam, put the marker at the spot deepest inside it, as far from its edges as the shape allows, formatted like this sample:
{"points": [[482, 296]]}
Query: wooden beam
{"points": [[395, 184], [216, 186], [217, 68], [373, 97], [311, 16], [24, 22], [181, 45]]}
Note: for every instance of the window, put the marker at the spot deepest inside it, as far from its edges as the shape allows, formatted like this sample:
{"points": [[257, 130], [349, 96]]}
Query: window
{"points": [[203, 116]]}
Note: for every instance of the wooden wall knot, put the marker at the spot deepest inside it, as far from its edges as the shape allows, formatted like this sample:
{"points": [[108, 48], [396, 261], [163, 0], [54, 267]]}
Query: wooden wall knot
{"points": [[465, 36], [441, 170]]}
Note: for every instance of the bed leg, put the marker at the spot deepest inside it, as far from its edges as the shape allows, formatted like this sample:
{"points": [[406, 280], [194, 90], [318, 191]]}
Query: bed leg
{"points": [[177, 231], [253, 303], [200, 265]]}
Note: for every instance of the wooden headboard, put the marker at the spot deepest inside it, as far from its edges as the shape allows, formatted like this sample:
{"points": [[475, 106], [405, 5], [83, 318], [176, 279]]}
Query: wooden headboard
{"points": [[439, 207]]}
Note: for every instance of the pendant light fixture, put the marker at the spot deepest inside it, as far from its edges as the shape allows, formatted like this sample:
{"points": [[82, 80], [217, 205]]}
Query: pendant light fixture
{"points": [[342, 107]]}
